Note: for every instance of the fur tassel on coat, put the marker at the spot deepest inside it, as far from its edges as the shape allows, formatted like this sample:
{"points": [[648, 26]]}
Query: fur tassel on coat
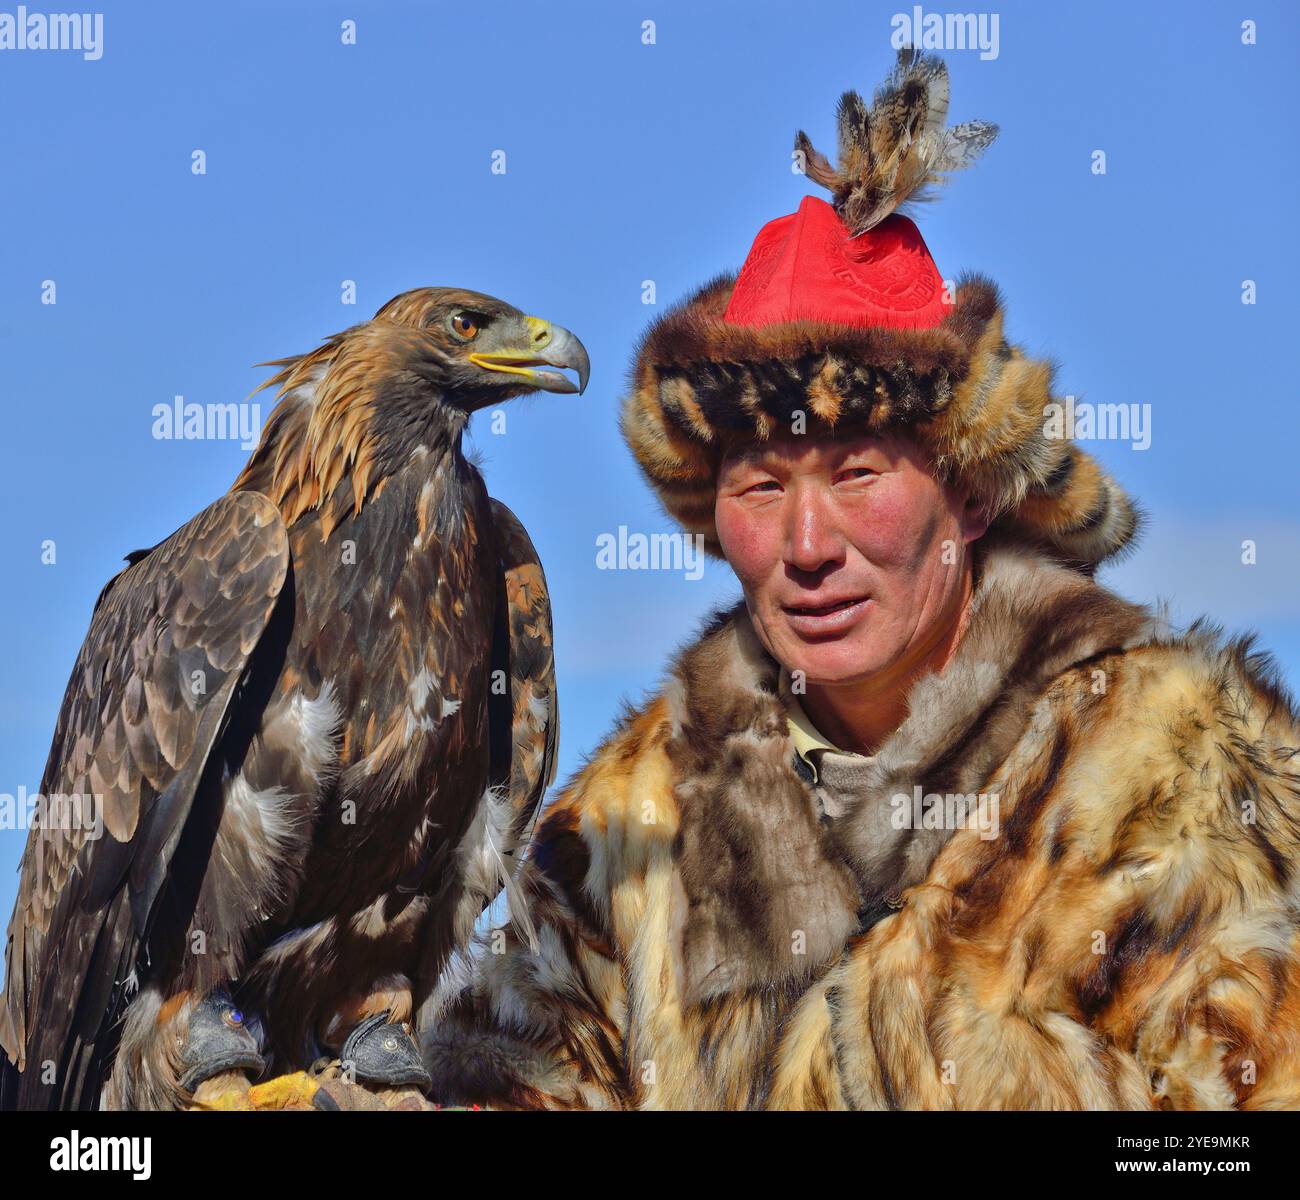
{"points": [[1128, 936]]}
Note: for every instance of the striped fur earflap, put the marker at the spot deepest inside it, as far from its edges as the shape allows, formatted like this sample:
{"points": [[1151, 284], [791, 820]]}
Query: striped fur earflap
{"points": [[977, 403]]}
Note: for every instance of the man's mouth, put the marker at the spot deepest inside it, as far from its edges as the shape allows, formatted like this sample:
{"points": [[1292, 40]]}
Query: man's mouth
{"points": [[833, 616]]}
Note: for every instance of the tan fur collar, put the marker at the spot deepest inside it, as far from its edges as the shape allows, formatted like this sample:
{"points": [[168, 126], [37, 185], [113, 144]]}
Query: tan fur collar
{"points": [[769, 894]]}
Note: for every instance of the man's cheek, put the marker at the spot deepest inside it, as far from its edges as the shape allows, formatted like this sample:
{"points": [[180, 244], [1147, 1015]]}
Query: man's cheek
{"points": [[747, 543], [887, 533]]}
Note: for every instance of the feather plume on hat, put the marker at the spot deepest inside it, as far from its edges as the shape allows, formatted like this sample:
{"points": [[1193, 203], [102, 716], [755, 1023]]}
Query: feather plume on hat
{"points": [[894, 152]]}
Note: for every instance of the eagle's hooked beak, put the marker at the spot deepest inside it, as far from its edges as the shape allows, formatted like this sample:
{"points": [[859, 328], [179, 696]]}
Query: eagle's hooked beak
{"points": [[548, 346]]}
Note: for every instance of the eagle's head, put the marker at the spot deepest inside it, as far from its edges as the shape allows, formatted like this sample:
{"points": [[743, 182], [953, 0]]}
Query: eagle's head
{"points": [[479, 350], [400, 386]]}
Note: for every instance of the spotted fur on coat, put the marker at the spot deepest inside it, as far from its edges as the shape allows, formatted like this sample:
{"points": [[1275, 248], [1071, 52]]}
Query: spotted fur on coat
{"points": [[1129, 939]]}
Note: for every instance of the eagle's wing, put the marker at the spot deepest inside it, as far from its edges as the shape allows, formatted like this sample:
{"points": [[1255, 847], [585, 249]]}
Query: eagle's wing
{"points": [[169, 643], [524, 723]]}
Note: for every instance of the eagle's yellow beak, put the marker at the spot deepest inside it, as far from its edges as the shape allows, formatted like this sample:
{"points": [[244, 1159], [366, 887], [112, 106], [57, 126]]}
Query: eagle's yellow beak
{"points": [[548, 346]]}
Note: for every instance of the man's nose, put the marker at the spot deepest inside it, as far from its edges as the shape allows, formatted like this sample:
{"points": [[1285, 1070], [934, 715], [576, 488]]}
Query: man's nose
{"points": [[812, 537]]}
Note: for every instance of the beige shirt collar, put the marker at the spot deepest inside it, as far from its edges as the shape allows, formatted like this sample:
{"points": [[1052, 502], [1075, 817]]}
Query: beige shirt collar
{"points": [[809, 742]]}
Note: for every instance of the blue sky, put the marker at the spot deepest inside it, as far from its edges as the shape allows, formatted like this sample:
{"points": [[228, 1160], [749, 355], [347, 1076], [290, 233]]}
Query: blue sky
{"points": [[626, 162]]}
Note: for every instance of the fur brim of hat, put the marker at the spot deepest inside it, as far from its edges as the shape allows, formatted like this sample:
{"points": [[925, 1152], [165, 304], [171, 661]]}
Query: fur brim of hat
{"points": [[976, 403]]}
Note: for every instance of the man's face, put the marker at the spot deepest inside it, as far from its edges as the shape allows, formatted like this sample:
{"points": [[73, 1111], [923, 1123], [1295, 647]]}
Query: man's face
{"points": [[851, 553]]}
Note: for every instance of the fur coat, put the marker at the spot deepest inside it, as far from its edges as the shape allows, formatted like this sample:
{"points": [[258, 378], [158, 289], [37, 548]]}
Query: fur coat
{"points": [[688, 933]]}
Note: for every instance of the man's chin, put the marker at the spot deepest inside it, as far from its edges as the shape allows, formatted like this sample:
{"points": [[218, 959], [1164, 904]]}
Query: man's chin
{"points": [[835, 662]]}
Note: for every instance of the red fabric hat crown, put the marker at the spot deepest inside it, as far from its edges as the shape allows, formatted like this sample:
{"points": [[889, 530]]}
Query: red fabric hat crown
{"points": [[808, 266]]}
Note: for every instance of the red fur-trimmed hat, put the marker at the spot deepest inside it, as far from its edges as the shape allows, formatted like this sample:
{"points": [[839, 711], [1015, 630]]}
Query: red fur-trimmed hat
{"points": [[840, 317]]}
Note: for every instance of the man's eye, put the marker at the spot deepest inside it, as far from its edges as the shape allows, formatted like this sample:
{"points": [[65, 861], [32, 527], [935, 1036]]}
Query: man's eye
{"points": [[464, 326], [852, 473], [767, 485]]}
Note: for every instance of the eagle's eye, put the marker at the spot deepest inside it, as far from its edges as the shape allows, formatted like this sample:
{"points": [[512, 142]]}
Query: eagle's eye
{"points": [[463, 325]]}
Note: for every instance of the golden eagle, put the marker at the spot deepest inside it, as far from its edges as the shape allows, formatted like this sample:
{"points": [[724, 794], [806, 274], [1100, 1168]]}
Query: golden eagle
{"points": [[315, 721]]}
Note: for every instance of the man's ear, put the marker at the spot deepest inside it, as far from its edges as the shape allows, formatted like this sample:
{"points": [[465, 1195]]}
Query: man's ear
{"points": [[975, 518]]}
